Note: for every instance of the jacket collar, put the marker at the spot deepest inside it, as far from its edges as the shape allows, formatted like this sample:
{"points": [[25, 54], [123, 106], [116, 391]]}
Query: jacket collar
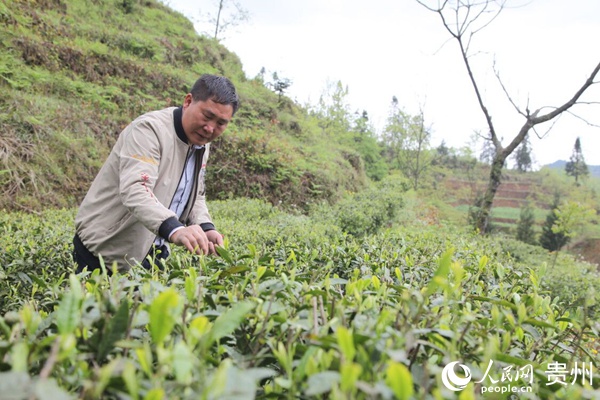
{"points": [[177, 116]]}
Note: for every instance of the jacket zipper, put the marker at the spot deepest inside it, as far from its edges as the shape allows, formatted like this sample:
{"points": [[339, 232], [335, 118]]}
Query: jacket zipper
{"points": [[187, 154]]}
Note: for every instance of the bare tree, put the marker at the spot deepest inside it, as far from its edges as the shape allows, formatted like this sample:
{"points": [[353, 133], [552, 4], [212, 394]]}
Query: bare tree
{"points": [[463, 19], [229, 13]]}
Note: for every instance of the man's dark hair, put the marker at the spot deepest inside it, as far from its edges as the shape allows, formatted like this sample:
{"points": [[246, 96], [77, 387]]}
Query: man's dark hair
{"points": [[216, 88]]}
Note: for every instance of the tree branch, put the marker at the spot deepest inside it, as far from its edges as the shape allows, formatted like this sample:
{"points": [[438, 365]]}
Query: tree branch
{"points": [[589, 82], [588, 123], [497, 73]]}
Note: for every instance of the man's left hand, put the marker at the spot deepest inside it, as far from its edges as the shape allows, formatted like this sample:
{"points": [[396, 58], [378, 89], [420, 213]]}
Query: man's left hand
{"points": [[215, 239]]}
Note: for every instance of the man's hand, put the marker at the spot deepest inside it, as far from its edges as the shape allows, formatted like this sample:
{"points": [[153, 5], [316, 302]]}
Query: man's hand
{"points": [[193, 238], [196, 240], [214, 239]]}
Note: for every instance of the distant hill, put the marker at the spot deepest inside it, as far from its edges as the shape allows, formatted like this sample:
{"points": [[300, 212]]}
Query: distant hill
{"points": [[560, 164]]}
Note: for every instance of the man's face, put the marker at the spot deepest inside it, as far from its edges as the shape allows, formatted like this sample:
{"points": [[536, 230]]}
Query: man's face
{"points": [[204, 121]]}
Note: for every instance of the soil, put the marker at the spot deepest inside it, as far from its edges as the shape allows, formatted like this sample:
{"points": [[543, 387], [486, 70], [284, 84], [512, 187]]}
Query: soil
{"points": [[588, 249]]}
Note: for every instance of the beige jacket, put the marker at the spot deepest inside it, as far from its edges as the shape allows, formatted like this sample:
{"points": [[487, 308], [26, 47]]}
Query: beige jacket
{"points": [[128, 201]]}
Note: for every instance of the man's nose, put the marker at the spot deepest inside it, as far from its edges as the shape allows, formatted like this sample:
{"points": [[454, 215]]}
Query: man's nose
{"points": [[210, 128]]}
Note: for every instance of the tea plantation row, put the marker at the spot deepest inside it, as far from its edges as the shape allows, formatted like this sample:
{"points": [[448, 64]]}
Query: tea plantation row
{"points": [[295, 308]]}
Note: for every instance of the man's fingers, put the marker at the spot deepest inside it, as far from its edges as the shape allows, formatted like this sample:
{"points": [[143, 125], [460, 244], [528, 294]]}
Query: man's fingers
{"points": [[211, 248], [193, 239], [200, 246], [187, 244]]}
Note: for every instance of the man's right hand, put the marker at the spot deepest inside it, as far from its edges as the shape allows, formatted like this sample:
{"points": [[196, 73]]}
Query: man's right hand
{"points": [[193, 238]]}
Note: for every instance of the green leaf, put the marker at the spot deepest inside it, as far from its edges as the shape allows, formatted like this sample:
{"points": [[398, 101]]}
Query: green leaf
{"points": [[145, 359], [162, 314], [225, 255], [346, 343], [19, 355], [483, 262], [499, 302], [75, 286], [182, 363], [441, 274], [48, 389], [537, 322], [155, 394], [349, 372], [190, 289], [68, 313], [321, 383], [227, 322], [399, 379], [130, 379], [15, 385], [233, 270], [115, 330], [300, 369]]}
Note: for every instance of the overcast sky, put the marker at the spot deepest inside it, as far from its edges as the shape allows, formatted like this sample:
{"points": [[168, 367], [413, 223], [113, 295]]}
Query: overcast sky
{"points": [[543, 49]]}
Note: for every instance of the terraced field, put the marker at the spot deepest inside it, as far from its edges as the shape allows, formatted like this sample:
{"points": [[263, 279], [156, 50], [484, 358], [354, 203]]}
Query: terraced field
{"points": [[511, 196], [514, 193]]}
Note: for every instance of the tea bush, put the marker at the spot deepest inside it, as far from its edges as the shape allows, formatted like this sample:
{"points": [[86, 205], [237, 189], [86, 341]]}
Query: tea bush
{"points": [[368, 211], [293, 308], [573, 283]]}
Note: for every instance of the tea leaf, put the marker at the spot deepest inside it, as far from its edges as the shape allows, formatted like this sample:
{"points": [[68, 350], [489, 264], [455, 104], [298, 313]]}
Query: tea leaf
{"points": [[182, 363], [47, 389], [162, 314], [155, 394], [441, 274], [226, 255], [15, 385], [130, 379], [399, 379], [227, 322], [322, 382], [346, 343], [115, 330], [68, 313]]}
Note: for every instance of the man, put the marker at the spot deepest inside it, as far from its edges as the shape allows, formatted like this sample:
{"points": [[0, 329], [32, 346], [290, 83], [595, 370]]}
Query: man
{"points": [[150, 190]]}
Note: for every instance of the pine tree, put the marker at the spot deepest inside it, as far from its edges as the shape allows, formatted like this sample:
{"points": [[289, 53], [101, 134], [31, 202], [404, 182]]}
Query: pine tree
{"points": [[522, 156], [525, 231], [576, 167], [549, 239], [280, 85]]}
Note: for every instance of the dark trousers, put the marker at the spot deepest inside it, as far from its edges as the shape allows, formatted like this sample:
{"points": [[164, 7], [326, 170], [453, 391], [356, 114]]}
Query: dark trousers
{"points": [[85, 258]]}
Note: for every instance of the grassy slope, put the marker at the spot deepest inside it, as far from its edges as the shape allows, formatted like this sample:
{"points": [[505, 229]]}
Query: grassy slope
{"points": [[73, 73]]}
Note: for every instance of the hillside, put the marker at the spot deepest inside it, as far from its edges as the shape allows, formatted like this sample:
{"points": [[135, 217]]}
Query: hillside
{"points": [[73, 73], [458, 188]]}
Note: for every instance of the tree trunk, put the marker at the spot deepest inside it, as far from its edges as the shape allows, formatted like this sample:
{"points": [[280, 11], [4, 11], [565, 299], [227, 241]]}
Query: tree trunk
{"points": [[484, 214], [458, 19], [218, 18]]}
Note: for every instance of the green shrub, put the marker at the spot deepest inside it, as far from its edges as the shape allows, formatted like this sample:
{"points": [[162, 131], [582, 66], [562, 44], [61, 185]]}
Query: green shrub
{"points": [[370, 210], [292, 308], [312, 314]]}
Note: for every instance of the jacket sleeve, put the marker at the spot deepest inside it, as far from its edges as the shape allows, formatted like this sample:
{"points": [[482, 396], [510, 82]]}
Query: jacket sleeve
{"points": [[199, 214], [139, 161]]}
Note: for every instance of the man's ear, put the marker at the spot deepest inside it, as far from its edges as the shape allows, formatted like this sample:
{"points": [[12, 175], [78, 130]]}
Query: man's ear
{"points": [[187, 100]]}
